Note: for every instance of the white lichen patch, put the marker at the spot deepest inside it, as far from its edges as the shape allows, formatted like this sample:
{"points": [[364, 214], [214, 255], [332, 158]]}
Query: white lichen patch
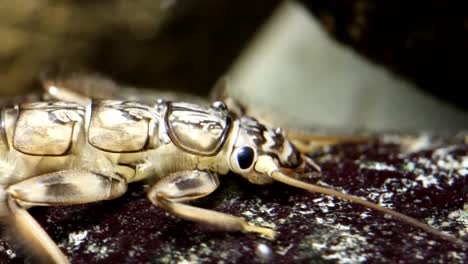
{"points": [[260, 215], [405, 185], [428, 181], [460, 216], [325, 201], [283, 250], [265, 209], [100, 249], [457, 256], [448, 168], [325, 204], [260, 221], [463, 171], [364, 215], [443, 152], [135, 251], [75, 239], [374, 165], [444, 167], [381, 197], [201, 253], [10, 253], [409, 166], [447, 162], [351, 247], [409, 143], [248, 214]]}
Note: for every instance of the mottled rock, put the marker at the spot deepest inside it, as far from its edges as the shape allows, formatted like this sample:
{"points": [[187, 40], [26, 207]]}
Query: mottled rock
{"points": [[423, 177]]}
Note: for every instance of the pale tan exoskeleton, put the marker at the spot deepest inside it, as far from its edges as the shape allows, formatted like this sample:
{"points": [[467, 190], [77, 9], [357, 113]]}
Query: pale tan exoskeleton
{"points": [[81, 151]]}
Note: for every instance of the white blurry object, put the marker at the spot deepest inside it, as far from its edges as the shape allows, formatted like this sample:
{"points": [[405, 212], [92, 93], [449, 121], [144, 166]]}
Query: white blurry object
{"points": [[294, 68]]}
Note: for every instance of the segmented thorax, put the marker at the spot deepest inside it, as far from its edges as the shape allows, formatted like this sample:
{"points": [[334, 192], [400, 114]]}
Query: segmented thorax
{"points": [[116, 130], [117, 126], [122, 127], [44, 128], [198, 130]]}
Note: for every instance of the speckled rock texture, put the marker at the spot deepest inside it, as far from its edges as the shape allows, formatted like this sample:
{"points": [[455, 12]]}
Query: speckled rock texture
{"points": [[421, 176]]}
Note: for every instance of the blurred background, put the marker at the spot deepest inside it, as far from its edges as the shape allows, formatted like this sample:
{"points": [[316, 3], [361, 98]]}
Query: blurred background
{"points": [[358, 64]]}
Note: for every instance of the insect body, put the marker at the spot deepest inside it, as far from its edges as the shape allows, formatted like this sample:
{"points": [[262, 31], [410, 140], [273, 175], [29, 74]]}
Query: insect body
{"points": [[61, 153]]}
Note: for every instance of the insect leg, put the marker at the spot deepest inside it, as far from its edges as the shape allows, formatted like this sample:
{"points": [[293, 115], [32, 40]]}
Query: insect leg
{"points": [[308, 142], [29, 233], [78, 87], [67, 187], [169, 192], [57, 188], [82, 88], [219, 93]]}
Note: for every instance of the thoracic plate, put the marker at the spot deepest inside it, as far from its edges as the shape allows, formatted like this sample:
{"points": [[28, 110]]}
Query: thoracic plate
{"points": [[118, 126], [195, 129], [46, 128]]}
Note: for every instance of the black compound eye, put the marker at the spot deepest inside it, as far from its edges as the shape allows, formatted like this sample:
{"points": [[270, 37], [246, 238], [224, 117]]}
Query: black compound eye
{"points": [[245, 157]]}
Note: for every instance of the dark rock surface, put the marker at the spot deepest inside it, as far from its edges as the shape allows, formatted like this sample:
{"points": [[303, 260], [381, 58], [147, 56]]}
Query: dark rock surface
{"points": [[424, 177]]}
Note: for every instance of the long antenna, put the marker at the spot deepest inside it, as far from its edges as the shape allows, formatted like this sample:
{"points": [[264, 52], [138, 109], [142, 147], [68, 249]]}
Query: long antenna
{"points": [[284, 178]]}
